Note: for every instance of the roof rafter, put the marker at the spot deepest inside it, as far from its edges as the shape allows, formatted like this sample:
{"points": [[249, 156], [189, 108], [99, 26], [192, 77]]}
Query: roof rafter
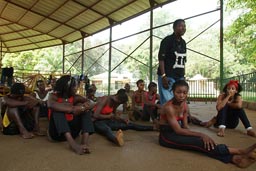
{"points": [[33, 24]]}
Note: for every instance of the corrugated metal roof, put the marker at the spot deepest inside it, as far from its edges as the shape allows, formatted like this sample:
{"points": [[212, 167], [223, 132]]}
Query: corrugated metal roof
{"points": [[32, 24]]}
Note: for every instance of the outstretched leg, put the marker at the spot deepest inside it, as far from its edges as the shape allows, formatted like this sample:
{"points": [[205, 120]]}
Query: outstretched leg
{"points": [[244, 157], [209, 123], [119, 137], [104, 127], [244, 160]]}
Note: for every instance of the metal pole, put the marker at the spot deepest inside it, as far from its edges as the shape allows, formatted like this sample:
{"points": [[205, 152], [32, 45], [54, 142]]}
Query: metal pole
{"points": [[151, 46], [82, 62], [1, 56], [109, 60], [221, 45], [63, 58]]}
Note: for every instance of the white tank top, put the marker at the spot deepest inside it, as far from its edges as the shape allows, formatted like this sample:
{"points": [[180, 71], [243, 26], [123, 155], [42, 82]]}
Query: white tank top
{"points": [[45, 98]]}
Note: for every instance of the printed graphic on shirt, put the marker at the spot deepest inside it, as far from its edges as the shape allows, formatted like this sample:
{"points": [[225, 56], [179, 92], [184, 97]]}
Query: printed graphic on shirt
{"points": [[180, 60]]}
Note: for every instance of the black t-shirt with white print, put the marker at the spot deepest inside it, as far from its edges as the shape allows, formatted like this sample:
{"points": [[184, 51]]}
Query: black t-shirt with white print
{"points": [[173, 52]]}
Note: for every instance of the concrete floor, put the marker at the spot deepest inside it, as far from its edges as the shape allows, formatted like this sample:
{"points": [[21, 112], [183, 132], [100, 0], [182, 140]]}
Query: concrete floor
{"points": [[140, 152]]}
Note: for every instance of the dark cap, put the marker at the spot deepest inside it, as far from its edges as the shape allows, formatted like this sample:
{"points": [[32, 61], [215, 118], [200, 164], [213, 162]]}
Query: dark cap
{"points": [[18, 89]]}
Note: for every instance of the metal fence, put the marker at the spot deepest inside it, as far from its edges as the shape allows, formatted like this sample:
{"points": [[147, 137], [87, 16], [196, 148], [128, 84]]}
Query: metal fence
{"points": [[204, 89], [248, 83], [209, 89]]}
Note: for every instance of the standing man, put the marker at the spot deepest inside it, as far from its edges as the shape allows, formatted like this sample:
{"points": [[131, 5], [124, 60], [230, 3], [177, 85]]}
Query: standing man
{"points": [[172, 59]]}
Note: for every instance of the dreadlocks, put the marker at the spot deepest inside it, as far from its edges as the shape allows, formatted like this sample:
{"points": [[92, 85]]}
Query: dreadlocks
{"points": [[64, 85]]}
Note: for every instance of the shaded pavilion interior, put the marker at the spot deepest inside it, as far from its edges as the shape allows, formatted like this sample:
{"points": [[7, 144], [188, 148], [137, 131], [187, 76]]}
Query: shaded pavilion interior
{"points": [[34, 24]]}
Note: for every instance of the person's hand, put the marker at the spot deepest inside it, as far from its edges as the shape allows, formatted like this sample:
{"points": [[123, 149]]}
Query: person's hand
{"points": [[209, 144], [76, 110], [31, 102], [231, 93], [87, 105], [158, 106], [165, 82], [2, 101], [126, 121]]}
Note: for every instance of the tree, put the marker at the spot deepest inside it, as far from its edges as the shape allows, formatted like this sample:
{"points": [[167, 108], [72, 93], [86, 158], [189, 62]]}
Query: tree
{"points": [[21, 60], [241, 34]]}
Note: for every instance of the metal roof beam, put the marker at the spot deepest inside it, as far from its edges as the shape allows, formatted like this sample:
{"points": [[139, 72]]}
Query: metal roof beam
{"points": [[47, 17]]}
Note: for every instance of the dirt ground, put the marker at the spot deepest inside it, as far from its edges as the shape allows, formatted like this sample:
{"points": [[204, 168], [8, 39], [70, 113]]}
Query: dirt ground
{"points": [[140, 152]]}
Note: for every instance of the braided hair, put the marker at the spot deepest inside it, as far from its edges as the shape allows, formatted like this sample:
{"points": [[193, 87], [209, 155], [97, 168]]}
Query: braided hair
{"points": [[64, 85]]}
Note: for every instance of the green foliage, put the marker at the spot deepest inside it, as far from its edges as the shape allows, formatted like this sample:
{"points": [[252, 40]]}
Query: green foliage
{"points": [[20, 61], [43, 60], [239, 49], [241, 34]]}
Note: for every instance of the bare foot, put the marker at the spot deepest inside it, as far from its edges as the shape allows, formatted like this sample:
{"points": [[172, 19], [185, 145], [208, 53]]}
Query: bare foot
{"points": [[119, 137], [26, 135], [204, 123], [245, 160], [79, 149], [251, 133], [209, 123], [49, 136], [195, 120], [85, 138], [221, 132], [85, 142], [39, 133], [248, 149], [86, 149]]}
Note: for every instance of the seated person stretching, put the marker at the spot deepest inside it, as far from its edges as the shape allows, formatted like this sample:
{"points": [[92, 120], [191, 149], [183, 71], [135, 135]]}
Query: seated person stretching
{"points": [[106, 120], [174, 132]]}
